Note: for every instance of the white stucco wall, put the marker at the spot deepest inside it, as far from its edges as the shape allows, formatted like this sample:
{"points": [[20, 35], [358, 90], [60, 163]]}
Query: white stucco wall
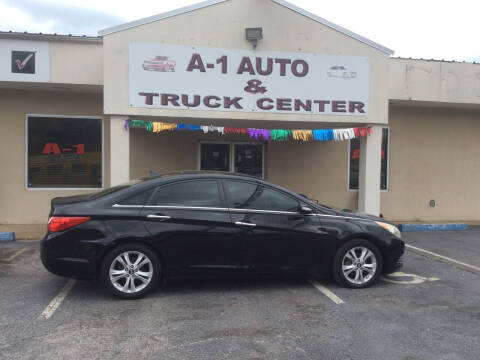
{"points": [[76, 63], [434, 81]]}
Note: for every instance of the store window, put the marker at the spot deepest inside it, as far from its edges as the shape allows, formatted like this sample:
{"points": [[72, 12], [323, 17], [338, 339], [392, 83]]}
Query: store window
{"points": [[243, 158], [354, 162], [64, 152]]}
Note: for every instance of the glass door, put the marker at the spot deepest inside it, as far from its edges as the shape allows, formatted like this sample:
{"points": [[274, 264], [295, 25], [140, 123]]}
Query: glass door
{"points": [[215, 157], [248, 159], [243, 158]]}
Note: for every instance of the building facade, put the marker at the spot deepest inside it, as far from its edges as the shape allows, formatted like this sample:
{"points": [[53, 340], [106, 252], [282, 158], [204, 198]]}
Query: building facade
{"points": [[65, 102]]}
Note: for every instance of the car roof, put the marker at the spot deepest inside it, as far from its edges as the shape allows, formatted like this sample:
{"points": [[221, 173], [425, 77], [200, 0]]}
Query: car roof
{"points": [[195, 174], [166, 178], [201, 173]]}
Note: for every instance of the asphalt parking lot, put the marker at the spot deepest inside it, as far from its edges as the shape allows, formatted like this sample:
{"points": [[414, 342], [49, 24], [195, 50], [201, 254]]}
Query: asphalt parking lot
{"points": [[431, 310]]}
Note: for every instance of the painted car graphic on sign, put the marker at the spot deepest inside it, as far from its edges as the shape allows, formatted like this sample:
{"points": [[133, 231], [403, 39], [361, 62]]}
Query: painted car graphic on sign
{"points": [[339, 71], [159, 63]]}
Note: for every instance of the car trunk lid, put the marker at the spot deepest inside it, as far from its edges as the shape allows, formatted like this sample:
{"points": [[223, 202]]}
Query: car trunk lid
{"points": [[59, 205]]}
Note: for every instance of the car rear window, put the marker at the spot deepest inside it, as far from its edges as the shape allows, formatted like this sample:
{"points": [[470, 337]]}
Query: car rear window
{"points": [[198, 193], [245, 195], [140, 198], [114, 189]]}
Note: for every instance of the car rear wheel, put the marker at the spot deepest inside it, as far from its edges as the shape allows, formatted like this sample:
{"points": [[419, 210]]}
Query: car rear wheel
{"points": [[358, 264], [130, 271]]}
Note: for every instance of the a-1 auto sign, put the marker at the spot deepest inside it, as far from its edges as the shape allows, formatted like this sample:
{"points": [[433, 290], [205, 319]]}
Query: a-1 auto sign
{"points": [[204, 78]]}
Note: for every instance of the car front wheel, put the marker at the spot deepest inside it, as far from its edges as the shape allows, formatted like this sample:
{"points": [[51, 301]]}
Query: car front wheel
{"points": [[358, 264], [130, 271]]}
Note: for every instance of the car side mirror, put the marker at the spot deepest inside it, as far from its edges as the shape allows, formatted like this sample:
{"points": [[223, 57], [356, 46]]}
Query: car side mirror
{"points": [[306, 210]]}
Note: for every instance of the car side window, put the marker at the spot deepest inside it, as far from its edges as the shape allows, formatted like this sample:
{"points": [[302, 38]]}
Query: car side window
{"points": [[138, 199], [245, 195], [198, 193]]}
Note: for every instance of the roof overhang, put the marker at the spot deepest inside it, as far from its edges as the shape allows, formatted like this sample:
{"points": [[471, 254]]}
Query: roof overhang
{"points": [[157, 17], [49, 37], [207, 3]]}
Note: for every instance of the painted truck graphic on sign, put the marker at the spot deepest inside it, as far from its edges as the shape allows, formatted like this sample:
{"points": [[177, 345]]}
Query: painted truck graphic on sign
{"points": [[341, 72], [159, 63]]}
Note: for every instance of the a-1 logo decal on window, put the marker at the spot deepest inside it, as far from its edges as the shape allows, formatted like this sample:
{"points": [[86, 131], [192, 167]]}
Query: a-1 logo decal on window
{"points": [[57, 153], [23, 62], [53, 148]]}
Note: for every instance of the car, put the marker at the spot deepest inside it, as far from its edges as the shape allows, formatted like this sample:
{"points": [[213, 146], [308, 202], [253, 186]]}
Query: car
{"points": [[197, 223], [159, 63], [339, 71]]}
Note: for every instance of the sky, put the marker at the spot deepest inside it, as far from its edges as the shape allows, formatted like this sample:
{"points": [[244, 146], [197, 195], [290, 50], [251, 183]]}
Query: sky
{"points": [[436, 29]]}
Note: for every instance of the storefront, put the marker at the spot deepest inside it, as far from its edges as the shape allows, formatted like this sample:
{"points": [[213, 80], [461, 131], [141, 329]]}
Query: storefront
{"points": [[252, 86]]}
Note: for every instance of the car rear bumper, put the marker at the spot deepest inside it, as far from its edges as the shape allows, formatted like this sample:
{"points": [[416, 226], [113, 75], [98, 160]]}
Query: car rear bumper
{"points": [[74, 267]]}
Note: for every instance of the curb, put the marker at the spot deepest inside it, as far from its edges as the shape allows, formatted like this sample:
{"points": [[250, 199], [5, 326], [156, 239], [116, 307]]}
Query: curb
{"points": [[7, 236], [433, 227]]}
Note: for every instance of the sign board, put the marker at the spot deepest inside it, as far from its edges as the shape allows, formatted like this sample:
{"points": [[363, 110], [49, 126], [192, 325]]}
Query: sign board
{"points": [[203, 78], [24, 60]]}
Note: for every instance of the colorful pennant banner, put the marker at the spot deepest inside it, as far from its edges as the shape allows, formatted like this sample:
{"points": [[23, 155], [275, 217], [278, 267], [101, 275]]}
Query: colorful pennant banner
{"points": [[258, 134]]}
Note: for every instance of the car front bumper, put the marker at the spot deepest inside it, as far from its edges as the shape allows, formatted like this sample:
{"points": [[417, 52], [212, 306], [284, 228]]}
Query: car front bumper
{"points": [[392, 260]]}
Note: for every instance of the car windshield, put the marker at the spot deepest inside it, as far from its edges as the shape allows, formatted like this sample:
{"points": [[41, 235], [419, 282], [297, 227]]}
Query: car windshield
{"points": [[114, 189]]}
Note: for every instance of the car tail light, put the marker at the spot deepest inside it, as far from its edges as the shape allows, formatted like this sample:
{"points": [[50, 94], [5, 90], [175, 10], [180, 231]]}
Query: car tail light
{"points": [[60, 223]]}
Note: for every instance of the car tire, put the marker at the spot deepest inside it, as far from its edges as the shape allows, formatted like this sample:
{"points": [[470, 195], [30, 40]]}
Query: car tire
{"points": [[130, 271], [353, 271]]}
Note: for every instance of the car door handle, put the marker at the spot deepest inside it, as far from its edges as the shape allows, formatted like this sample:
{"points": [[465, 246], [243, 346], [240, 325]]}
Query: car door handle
{"points": [[322, 230], [239, 223], [158, 217]]}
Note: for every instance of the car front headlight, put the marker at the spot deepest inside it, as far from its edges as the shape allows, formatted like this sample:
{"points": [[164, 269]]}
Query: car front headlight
{"points": [[390, 228]]}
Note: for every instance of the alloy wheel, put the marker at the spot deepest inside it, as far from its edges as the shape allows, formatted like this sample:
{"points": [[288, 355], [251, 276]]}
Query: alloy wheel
{"points": [[359, 265], [131, 271]]}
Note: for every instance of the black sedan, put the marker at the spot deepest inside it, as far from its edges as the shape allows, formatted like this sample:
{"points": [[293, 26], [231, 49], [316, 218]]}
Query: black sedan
{"points": [[208, 223]]}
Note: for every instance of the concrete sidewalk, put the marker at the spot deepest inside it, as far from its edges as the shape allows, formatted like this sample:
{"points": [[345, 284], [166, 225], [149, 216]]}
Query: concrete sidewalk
{"points": [[26, 231]]}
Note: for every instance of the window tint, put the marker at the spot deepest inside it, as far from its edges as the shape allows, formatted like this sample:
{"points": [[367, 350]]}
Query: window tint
{"points": [[256, 197], [202, 193], [138, 199]]}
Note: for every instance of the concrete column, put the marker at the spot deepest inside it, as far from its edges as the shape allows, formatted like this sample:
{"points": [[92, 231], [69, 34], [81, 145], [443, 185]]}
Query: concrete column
{"points": [[369, 174], [119, 151]]}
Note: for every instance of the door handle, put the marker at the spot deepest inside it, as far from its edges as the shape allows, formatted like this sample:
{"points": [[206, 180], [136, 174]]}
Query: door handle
{"points": [[322, 230], [158, 217], [239, 223]]}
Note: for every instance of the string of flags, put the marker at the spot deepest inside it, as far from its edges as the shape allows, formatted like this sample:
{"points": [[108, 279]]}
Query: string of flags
{"points": [[258, 134]]}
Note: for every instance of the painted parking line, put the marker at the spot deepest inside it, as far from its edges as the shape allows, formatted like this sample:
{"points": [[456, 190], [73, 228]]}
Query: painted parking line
{"points": [[14, 255], [57, 300], [410, 279], [326, 292], [441, 257]]}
